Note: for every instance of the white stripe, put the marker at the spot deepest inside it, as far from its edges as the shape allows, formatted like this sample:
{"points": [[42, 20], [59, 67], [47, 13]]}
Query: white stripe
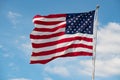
{"points": [[49, 19], [49, 26], [44, 33], [60, 37], [34, 58], [60, 45]]}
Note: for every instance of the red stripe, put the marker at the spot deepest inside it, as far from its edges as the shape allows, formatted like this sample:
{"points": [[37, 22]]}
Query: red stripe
{"points": [[72, 54], [47, 23], [49, 29], [56, 50], [51, 16], [46, 36], [34, 45]]}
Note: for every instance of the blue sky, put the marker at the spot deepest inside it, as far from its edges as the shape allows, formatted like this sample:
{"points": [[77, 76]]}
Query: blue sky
{"points": [[15, 47]]}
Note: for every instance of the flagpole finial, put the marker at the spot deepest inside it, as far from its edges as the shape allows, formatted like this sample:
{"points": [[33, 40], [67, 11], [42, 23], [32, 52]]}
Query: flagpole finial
{"points": [[97, 7]]}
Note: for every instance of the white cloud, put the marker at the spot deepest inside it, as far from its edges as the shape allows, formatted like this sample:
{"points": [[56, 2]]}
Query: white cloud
{"points": [[87, 67], [23, 37], [11, 64], [104, 68], [1, 46], [65, 67], [6, 55], [20, 79], [48, 78], [60, 70], [108, 39], [13, 17], [26, 47], [108, 67]]}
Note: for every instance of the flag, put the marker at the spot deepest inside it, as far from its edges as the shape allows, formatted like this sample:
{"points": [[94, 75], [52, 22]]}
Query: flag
{"points": [[62, 35]]}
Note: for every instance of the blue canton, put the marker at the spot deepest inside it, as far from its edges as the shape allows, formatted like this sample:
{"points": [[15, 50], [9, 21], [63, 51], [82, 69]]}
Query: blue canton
{"points": [[80, 23]]}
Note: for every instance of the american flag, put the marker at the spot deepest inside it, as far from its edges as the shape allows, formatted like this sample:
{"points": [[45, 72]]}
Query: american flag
{"points": [[62, 35]]}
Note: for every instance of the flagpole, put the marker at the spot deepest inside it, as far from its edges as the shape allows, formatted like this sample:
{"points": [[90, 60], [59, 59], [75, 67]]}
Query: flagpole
{"points": [[95, 41]]}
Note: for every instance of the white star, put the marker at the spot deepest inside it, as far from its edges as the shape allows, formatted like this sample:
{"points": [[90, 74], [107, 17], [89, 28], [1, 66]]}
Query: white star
{"points": [[87, 29], [89, 26], [71, 23], [81, 26], [71, 19], [81, 21], [76, 26], [90, 22], [69, 16], [69, 26], [68, 31], [86, 22], [90, 16], [76, 18], [79, 16], [74, 29], [74, 21], [84, 31], [77, 31]]}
